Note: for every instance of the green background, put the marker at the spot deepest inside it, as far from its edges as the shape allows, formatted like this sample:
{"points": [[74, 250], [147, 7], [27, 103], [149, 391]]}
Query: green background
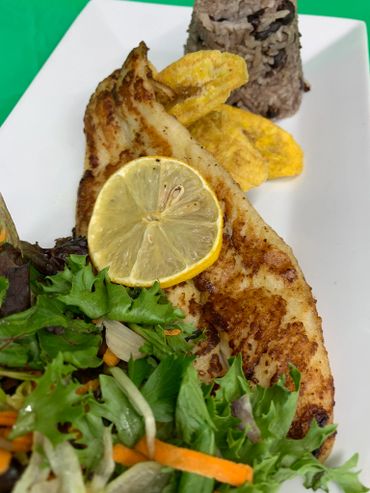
{"points": [[30, 30]]}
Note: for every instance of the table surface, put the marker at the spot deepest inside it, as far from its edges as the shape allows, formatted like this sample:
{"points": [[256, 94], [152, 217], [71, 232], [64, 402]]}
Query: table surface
{"points": [[30, 30]]}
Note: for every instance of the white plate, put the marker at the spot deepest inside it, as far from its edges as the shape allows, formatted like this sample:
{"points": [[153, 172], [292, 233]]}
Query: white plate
{"points": [[323, 214]]}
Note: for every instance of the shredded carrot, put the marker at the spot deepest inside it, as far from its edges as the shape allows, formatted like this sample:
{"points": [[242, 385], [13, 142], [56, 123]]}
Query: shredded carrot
{"points": [[110, 358], [91, 385], [196, 462], [127, 456], [19, 444], [5, 458], [4, 432], [172, 332], [23, 443], [8, 418]]}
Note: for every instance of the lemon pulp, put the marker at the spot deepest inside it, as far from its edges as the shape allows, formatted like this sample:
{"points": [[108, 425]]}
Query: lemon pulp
{"points": [[156, 218]]}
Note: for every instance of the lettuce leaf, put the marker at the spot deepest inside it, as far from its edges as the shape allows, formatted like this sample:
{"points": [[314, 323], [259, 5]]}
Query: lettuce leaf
{"points": [[162, 388], [195, 427], [192, 415], [117, 409], [274, 456]]}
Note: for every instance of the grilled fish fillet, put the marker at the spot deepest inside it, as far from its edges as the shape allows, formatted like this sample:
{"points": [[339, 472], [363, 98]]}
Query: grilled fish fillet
{"points": [[254, 300]]}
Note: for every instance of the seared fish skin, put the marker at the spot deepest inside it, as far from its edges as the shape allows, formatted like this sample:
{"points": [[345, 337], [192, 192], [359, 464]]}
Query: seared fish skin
{"points": [[254, 298]]}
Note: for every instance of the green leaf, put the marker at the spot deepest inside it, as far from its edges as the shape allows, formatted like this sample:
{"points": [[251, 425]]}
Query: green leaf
{"points": [[172, 485], [156, 341], [20, 353], [96, 296], [18, 344], [45, 313], [59, 283], [191, 410], [88, 293], [229, 436], [116, 408], [178, 344], [162, 387], [318, 476], [291, 449], [158, 344], [139, 370], [79, 349], [274, 407], [233, 384], [53, 402], [4, 285], [90, 449], [150, 307], [78, 287], [23, 390]]}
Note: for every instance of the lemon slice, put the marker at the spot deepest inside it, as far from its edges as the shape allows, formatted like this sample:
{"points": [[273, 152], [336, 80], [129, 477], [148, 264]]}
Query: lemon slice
{"points": [[156, 218]]}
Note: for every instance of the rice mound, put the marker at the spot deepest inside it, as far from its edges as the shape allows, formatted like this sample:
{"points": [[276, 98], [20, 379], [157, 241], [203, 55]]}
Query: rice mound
{"points": [[265, 33]]}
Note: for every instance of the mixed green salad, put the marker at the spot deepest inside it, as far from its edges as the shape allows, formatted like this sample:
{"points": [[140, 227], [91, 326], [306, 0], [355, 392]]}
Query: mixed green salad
{"points": [[73, 419]]}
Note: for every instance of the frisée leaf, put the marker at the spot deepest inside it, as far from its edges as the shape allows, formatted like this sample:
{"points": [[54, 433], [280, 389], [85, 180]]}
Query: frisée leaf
{"points": [[275, 457], [96, 296], [53, 401]]}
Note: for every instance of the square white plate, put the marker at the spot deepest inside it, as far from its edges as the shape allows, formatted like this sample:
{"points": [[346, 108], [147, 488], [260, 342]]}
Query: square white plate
{"points": [[323, 214]]}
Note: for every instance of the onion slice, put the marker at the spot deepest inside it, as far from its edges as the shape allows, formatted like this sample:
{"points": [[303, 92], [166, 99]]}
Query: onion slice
{"points": [[146, 476], [242, 409], [140, 404], [105, 468], [37, 471], [122, 341], [64, 462]]}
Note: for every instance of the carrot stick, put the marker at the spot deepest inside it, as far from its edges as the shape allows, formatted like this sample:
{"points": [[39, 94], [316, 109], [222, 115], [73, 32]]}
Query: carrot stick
{"points": [[110, 358], [196, 462], [90, 385], [5, 458], [127, 456], [8, 418]]}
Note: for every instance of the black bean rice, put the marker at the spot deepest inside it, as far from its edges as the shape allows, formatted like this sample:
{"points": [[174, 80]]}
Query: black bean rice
{"points": [[265, 33]]}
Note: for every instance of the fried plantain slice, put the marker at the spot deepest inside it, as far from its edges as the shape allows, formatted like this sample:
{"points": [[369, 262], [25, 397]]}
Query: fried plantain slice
{"points": [[226, 139], [259, 140], [202, 81]]}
